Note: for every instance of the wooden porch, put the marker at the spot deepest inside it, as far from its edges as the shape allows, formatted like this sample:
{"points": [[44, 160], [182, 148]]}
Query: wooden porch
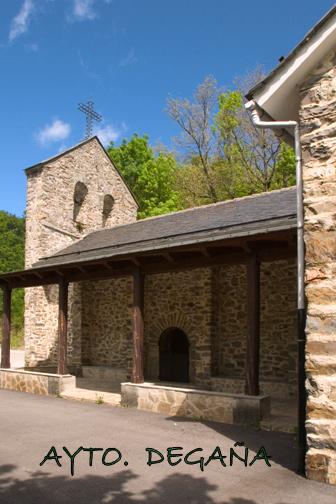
{"points": [[248, 250]]}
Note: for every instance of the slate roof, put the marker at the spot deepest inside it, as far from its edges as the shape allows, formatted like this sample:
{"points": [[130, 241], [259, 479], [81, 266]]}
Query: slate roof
{"points": [[261, 213]]}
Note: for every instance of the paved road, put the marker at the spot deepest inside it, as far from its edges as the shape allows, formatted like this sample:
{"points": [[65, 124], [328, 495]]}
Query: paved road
{"points": [[30, 425], [16, 358]]}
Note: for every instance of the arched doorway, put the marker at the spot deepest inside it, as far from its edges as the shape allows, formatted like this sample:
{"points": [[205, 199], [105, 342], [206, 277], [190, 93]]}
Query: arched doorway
{"points": [[174, 355]]}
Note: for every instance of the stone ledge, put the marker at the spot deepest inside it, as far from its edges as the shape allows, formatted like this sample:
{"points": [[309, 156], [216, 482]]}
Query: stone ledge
{"points": [[35, 382], [35, 373], [274, 388], [198, 404]]}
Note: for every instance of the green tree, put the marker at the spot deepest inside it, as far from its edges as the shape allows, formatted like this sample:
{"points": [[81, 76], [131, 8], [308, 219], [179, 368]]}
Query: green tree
{"points": [[150, 176], [12, 258], [198, 141], [285, 167], [224, 155], [264, 163]]}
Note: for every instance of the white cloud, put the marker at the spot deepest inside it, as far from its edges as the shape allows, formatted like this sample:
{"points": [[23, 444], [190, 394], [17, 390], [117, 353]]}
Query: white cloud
{"points": [[83, 10], [129, 58], [108, 133], [19, 24], [86, 68], [54, 132], [32, 47]]}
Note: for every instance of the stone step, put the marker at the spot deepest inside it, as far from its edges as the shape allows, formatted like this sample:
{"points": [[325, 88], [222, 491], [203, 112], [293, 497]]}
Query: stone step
{"points": [[98, 384], [95, 396], [278, 423], [105, 373]]}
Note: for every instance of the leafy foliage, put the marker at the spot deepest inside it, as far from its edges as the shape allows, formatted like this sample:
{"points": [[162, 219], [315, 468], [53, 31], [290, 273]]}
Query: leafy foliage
{"points": [[224, 155], [151, 177], [264, 163], [12, 258]]}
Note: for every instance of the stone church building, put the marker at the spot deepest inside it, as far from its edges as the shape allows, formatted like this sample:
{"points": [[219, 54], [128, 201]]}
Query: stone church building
{"points": [[81, 193], [193, 313]]}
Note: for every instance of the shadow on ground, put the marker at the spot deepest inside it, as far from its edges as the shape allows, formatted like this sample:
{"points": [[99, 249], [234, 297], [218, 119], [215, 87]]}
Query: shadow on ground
{"points": [[281, 446], [44, 488]]}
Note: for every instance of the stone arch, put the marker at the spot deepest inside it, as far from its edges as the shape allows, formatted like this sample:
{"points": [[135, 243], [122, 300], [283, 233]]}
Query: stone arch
{"points": [[174, 319]]}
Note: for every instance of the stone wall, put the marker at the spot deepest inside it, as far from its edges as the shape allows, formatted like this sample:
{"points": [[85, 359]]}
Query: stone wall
{"points": [[210, 307], [277, 321], [183, 300], [52, 224], [35, 383], [107, 324], [274, 388], [197, 404], [318, 136]]}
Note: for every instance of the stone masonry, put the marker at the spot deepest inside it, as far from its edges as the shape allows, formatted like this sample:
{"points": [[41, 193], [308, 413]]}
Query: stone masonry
{"points": [[200, 404], [55, 218], [107, 324], [182, 299], [209, 305], [318, 122], [34, 382], [277, 324]]}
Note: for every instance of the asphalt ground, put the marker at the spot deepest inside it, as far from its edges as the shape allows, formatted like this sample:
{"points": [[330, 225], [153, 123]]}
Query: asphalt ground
{"points": [[30, 425]]}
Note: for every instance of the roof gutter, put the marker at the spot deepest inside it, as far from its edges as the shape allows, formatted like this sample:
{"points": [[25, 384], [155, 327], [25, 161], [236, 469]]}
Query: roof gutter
{"points": [[251, 106]]}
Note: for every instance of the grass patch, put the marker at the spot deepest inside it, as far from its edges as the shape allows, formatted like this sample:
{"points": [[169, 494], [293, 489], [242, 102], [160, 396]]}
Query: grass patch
{"points": [[17, 338], [99, 399]]}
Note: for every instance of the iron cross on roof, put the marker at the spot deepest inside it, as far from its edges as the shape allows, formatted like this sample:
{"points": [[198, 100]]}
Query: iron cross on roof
{"points": [[91, 115]]}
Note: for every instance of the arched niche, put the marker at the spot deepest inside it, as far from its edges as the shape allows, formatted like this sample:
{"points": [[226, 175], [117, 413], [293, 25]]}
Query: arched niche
{"points": [[80, 193], [108, 205]]}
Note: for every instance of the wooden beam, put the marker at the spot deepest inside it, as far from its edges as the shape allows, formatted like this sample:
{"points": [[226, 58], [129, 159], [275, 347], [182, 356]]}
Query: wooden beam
{"points": [[107, 265], [138, 327], [192, 261], [253, 325], [205, 251], [63, 287], [39, 275], [119, 267], [168, 257], [6, 327]]}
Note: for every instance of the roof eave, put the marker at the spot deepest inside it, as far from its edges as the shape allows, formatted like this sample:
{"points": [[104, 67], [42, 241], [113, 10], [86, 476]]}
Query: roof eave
{"points": [[277, 94]]}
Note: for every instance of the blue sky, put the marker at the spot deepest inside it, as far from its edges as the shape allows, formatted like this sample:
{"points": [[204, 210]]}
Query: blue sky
{"points": [[128, 56]]}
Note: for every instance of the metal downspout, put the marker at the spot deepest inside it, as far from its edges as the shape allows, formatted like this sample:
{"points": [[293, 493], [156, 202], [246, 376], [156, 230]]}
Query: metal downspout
{"points": [[301, 306]]}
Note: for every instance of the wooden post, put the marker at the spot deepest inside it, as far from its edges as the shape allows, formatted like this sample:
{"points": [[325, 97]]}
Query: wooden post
{"points": [[253, 325], [6, 327], [138, 327], [62, 326]]}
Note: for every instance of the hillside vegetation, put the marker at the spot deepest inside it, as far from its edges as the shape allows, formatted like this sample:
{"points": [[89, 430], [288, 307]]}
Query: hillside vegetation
{"points": [[12, 258]]}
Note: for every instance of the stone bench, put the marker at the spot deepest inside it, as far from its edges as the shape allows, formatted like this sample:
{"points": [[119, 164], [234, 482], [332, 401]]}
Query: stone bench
{"points": [[194, 403], [35, 382]]}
